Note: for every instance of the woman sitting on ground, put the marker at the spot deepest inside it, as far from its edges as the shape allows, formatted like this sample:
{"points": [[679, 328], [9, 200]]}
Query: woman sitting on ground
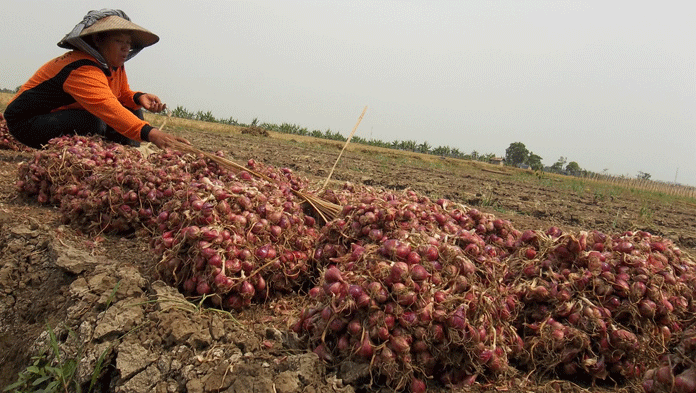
{"points": [[85, 91]]}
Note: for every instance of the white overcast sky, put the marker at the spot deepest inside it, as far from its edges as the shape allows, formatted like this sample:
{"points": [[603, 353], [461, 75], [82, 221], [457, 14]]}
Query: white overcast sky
{"points": [[609, 84]]}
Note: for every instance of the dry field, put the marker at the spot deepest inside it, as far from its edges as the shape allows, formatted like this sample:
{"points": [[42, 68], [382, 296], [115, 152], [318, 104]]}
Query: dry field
{"points": [[108, 312]]}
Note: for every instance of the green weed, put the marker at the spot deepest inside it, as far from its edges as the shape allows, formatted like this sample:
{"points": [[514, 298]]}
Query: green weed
{"points": [[646, 213], [578, 187], [48, 376]]}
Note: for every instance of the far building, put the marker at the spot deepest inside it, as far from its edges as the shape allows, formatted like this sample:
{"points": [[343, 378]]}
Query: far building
{"points": [[499, 161]]}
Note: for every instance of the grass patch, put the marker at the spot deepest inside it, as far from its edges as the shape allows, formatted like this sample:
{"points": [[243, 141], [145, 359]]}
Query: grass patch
{"points": [[49, 373]]}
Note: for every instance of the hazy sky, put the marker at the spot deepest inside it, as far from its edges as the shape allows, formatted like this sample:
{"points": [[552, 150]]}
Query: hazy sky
{"points": [[608, 84]]}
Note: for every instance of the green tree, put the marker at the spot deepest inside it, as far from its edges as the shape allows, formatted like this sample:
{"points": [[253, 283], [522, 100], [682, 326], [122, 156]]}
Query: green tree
{"points": [[573, 168], [207, 116], [643, 175], [408, 145], [558, 165], [534, 162], [424, 148], [516, 154], [443, 151]]}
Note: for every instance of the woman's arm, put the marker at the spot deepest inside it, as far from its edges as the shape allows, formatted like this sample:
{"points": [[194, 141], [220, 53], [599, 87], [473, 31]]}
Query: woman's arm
{"points": [[90, 88]]}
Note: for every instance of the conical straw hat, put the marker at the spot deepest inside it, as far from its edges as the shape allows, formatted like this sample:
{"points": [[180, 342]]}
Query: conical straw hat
{"points": [[141, 36]]}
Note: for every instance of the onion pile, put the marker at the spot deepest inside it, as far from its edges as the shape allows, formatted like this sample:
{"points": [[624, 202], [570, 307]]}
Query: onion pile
{"points": [[241, 239], [7, 141], [69, 165], [418, 290], [598, 306], [216, 232], [411, 288], [676, 371]]}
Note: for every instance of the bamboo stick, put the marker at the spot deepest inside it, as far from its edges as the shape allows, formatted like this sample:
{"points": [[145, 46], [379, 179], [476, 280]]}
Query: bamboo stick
{"points": [[344, 148]]}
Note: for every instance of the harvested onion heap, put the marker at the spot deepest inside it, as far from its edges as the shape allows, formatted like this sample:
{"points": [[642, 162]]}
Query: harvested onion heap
{"points": [[411, 288], [598, 306], [69, 166], [415, 289], [239, 238], [217, 233], [677, 370]]}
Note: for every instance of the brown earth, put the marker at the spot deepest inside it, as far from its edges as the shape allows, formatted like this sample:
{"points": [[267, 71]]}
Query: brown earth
{"points": [[141, 335]]}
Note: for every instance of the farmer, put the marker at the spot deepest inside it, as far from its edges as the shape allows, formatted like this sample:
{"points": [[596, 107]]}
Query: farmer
{"points": [[85, 91]]}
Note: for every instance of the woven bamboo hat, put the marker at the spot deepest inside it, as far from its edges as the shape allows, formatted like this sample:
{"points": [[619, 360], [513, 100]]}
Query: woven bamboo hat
{"points": [[141, 36], [104, 21]]}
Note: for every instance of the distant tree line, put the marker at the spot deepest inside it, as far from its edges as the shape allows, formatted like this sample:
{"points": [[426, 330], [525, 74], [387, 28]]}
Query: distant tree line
{"points": [[517, 155], [3, 90], [286, 128]]}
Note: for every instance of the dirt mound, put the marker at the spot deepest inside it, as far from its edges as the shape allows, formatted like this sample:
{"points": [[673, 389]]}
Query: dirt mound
{"points": [[255, 131]]}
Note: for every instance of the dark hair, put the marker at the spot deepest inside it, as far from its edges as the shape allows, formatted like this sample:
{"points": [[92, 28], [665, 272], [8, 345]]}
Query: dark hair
{"points": [[93, 39], [98, 37]]}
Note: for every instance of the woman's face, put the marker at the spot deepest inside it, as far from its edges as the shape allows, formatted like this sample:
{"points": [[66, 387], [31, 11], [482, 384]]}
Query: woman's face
{"points": [[114, 48]]}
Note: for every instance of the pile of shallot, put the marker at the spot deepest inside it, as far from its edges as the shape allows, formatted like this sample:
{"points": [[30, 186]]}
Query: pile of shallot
{"points": [[411, 287], [677, 369], [235, 238], [216, 233], [596, 306], [421, 292]]}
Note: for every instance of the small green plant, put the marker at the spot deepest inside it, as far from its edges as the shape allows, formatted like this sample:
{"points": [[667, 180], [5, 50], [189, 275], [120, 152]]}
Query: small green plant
{"points": [[615, 221], [488, 199], [43, 376], [578, 187], [499, 208], [55, 374], [598, 195], [646, 213], [97, 369], [545, 181]]}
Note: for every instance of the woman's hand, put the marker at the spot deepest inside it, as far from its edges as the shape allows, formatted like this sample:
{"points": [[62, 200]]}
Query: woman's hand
{"points": [[152, 103], [163, 140]]}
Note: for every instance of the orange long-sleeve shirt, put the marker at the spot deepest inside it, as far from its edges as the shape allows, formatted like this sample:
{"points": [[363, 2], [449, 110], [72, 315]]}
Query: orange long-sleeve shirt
{"points": [[76, 81]]}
